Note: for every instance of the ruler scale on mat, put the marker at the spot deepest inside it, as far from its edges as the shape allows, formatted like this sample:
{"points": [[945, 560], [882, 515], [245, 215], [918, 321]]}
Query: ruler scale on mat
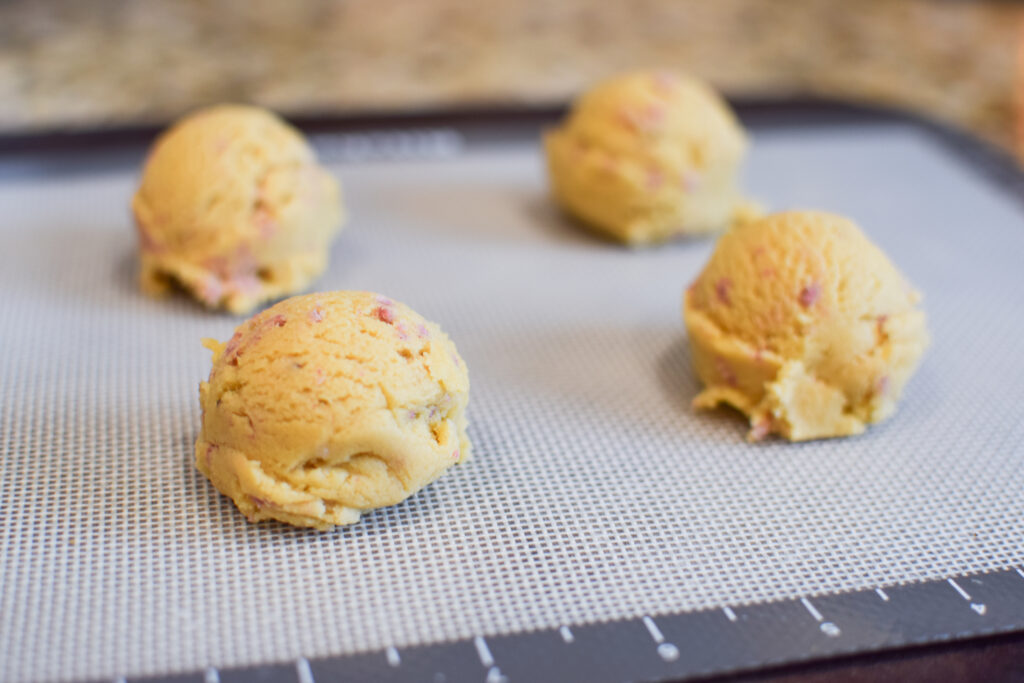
{"points": [[603, 531], [677, 646]]}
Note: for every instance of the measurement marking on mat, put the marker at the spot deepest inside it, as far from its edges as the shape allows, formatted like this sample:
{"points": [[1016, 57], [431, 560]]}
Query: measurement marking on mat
{"points": [[812, 609], [211, 675], [392, 656], [567, 635], [881, 594], [668, 652], [483, 651], [978, 607], [958, 589], [827, 627], [494, 675], [303, 670], [1017, 569], [653, 629], [729, 613]]}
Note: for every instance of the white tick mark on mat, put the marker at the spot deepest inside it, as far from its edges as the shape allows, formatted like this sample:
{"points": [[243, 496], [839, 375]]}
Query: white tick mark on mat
{"points": [[882, 594], [566, 634], [958, 589], [392, 656], [303, 670], [729, 613], [483, 651], [653, 629], [812, 609]]}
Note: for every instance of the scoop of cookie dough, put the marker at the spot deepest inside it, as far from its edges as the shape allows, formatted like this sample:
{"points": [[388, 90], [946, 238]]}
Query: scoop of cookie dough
{"points": [[234, 208], [804, 325], [646, 156], [328, 405]]}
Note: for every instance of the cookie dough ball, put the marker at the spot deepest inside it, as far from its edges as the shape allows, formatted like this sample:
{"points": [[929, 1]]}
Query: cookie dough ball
{"points": [[234, 208], [647, 156], [804, 325], [327, 405]]}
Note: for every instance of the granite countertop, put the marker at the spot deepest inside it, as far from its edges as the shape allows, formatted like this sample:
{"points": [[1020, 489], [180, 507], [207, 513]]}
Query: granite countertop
{"points": [[72, 65]]}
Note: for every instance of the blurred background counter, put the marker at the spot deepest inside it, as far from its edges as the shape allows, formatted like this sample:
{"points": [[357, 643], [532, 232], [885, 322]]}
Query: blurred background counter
{"points": [[107, 63]]}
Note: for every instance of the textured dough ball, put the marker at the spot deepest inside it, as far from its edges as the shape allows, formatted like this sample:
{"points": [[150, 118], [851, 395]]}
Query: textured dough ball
{"points": [[804, 325], [646, 156], [327, 405], [234, 208]]}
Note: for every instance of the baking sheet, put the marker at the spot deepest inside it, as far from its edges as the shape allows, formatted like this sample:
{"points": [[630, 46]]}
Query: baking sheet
{"points": [[595, 493]]}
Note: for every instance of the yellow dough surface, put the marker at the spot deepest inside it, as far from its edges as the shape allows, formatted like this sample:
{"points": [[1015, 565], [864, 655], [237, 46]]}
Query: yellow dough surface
{"points": [[804, 325], [327, 405], [234, 208], [646, 156]]}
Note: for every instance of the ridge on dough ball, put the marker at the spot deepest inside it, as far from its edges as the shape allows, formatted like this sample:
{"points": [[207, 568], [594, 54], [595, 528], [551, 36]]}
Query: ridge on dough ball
{"points": [[234, 208], [646, 156], [804, 325], [327, 405]]}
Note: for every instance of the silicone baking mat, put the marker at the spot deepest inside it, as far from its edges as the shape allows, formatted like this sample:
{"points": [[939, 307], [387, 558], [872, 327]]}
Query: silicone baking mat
{"points": [[596, 496]]}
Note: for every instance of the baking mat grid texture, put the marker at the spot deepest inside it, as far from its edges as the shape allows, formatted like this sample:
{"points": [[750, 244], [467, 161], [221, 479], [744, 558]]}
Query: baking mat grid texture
{"points": [[595, 492]]}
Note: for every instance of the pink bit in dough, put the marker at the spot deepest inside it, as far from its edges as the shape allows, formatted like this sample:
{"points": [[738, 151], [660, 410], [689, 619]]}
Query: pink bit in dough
{"points": [[320, 376], [655, 178], [265, 223], [653, 115], [761, 429], [422, 331], [880, 324], [690, 181], [882, 385], [232, 347], [211, 290], [402, 330], [235, 347], [722, 290], [316, 315], [810, 294], [645, 120], [146, 241], [210, 450], [385, 314], [664, 82], [245, 284], [221, 145], [260, 502], [726, 372], [607, 165], [455, 454], [384, 301]]}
